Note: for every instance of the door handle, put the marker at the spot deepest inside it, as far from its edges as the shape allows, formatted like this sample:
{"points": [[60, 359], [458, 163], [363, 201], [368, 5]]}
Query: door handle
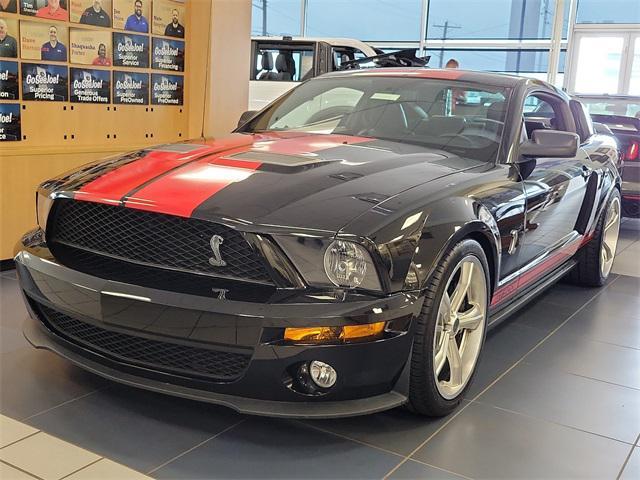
{"points": [[586, 171]]}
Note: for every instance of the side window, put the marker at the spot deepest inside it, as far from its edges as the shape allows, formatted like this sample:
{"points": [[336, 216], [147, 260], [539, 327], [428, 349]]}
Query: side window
{"points": [[284, 63], [544, 111]]}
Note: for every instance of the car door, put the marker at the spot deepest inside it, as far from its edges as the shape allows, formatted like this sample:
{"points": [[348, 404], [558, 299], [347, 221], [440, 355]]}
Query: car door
{"points": [[554, 187]]}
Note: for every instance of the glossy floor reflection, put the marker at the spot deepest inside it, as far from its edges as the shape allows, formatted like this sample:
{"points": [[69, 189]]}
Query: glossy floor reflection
{"points": [[557, 395]]}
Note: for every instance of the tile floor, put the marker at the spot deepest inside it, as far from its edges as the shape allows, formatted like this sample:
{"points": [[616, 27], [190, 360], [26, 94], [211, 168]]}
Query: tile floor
{"points": [[557, 395]]}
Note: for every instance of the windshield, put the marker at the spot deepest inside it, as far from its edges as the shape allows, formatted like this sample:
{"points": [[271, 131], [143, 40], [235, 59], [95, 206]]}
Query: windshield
{"points": [[461, 118], [626, 107]]}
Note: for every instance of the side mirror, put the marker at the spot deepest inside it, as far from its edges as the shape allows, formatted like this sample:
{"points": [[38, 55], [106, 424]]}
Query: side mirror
{"points": [[246, 116], [602, 129], [550, 144]]}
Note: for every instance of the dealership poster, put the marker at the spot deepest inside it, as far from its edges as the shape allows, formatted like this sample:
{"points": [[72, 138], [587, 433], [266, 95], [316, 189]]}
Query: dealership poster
{"points": [[8, 80], [130, 88], [168, 54], [90, 47], [168, 18], [90, 86], [10, 122], [9, 46], [48, 83], [84, 12], [130, 50], [125, 16], [51, 9], [42, 41], [166, 89]]}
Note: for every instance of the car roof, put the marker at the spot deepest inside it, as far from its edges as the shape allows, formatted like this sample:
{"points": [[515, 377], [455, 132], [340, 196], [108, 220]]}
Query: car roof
{"points": [[497, 79]]}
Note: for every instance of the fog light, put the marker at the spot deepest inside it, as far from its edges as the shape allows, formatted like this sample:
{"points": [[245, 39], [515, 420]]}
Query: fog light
{"points": [[322, 374]]}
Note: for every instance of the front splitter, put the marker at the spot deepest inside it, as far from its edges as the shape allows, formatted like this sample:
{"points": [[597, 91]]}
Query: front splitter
{"points": [[37, 335]]}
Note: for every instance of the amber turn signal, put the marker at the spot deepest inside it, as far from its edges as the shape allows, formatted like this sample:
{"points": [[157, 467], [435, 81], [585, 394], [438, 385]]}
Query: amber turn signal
{"points": [[349, 333]]}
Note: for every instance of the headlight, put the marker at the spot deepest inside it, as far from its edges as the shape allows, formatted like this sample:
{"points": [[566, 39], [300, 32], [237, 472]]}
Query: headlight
{"points": [[348, 264]]}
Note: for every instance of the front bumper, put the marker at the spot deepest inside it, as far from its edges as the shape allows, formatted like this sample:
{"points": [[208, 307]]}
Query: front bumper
{"points": [[371, 375]]}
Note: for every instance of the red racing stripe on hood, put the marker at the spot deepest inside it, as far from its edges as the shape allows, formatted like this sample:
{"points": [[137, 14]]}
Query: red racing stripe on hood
{"points": [[111, 187], [181, 191]]}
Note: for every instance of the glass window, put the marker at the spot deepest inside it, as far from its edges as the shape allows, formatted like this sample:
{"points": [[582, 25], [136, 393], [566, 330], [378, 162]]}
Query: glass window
{"points": [[608, 11], [491, 19], [634, 84], [511, 61], [387, 20], [282, 63], [464, 119], [606, 53], [276, 17]]}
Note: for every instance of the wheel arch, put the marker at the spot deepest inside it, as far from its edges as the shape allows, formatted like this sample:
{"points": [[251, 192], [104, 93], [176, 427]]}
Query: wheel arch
{"points": [[438, 238]]}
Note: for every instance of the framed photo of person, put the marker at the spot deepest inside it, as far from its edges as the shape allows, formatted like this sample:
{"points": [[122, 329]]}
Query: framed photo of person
{"points": [[96, 13], [169, 18]]}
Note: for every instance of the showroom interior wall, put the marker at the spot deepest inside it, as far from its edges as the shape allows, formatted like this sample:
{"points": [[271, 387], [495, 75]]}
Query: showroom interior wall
{"points": [[59, 135]]}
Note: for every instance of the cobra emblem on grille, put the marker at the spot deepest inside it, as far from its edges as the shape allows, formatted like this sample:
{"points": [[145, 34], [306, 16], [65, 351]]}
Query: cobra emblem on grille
{"points": [[216, 260]]}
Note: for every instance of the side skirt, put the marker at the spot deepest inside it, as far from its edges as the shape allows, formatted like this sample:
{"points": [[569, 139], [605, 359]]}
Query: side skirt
{"points": [[504, 311]]}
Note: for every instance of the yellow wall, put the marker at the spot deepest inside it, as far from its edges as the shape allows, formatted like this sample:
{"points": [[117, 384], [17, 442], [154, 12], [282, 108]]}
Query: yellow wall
{"points": [[218, 42]]}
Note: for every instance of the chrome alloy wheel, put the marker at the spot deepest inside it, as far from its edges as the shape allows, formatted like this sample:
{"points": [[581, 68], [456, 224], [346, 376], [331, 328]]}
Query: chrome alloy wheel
{"points": [[611, 230], [460, 326]]}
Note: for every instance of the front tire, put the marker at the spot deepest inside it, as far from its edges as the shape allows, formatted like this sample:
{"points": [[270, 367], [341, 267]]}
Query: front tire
{"points": [[450, 331], [595, 259]]}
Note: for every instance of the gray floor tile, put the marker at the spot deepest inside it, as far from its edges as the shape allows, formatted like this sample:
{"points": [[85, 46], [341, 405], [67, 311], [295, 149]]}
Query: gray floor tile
{"points": [[626, 284], [279, 449], [511, 340], [632, 468], [32, 381], [398, 430], [136, 428], [485, 442], [542, 314], [11, 339], [547, 393], [627, 263], [12, 309], [411, 470], [489, 369], [568, 295], [611, 317], [590, 358]]}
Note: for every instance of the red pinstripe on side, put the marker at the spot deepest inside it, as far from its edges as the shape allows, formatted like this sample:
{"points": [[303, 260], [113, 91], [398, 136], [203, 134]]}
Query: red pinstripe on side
{"points": [[527, 278]]}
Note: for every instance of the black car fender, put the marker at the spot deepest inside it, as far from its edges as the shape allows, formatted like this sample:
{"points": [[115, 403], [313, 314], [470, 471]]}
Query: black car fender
{"points": [[447, 225], [410, 247]]}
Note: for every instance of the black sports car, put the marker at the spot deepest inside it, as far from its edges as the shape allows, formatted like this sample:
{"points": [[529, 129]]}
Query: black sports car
{"points": [[343, 252]]}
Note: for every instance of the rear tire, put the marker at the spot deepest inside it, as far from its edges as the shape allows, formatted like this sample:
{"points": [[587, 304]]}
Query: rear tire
{"points": [[453, 318], [596, 257]]}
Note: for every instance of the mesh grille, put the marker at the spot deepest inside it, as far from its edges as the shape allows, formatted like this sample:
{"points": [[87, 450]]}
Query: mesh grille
{"points": [[155, 239], [158, 355]]}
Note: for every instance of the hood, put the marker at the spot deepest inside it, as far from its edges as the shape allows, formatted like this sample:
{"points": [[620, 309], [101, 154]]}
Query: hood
{"points": [[295, 180]]}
